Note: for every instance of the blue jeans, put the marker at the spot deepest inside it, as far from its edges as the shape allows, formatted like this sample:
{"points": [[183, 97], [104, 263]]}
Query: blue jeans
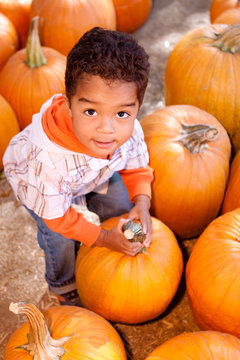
{"points": [[60, 252]]}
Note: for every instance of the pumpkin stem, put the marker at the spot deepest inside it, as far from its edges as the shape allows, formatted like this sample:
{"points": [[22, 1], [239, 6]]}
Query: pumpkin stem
{"points": [[34, 53], [229, 39], [41, 346], [196, 137], [133, 232]]}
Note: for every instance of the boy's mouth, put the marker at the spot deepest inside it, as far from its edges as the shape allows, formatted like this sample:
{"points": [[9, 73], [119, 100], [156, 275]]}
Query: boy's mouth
{"points": [[104, 144]]}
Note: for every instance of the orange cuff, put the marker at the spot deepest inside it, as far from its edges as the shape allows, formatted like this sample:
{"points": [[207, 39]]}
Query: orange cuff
{"points": [[137, 181], [73, 225], [140, 189]]}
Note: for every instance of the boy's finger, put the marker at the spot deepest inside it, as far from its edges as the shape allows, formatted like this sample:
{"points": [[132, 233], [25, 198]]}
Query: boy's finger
{"points": [[147, 226], [133, 248], [120, 223], [147, 242]]}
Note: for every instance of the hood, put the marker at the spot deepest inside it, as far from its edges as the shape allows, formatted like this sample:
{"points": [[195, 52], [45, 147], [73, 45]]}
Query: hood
{"points": [[39, 137]]}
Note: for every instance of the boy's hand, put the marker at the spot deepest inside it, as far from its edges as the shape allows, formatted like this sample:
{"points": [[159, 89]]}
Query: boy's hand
{"points": [[141, 212], [115, 240]]}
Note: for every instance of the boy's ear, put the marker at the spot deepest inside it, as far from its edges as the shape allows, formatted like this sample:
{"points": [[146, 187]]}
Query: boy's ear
{"points": [[67, 105]]}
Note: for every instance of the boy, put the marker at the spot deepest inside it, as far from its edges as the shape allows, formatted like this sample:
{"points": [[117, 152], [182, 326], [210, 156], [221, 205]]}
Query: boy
{"points": [[75, 151]]}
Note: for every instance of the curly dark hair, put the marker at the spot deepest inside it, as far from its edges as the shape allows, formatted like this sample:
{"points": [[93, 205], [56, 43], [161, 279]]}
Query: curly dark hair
{"points": [[110, 55]]}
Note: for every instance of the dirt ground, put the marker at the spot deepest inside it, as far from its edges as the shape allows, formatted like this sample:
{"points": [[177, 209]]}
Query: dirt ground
{"points": [[22, 261]]}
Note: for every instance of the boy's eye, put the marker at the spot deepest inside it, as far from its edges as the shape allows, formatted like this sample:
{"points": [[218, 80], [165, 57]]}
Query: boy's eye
{"points": [[122, 114], [91, 112]]}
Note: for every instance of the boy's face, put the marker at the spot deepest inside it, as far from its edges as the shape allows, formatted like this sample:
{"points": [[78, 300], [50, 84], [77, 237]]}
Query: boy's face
{"points": [[103, 113]]}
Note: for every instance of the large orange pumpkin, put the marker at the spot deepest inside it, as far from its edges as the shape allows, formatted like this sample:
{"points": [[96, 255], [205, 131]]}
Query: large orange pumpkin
{"points": [[31, 76], [213, 275], [73, 19], [8, 39], [64, 332], [131, 14], [200, 345], [231, 16], [204, 70], [189, 151], [130, 289], [219, 6], [19, 13], [8, 126], [232, 196]]}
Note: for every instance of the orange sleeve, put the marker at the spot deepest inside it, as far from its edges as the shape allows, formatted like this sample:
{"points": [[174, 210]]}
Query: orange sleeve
{"points": [[137, 181], [74, 226]]}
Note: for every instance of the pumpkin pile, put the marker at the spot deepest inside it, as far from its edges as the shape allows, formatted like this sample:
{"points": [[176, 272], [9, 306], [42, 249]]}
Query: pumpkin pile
{"points": [[201, 73], [70, 332], [193, 143], [201, 76]]}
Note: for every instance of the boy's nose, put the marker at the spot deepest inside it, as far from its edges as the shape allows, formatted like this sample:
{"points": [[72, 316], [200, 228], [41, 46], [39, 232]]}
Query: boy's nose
{"points": [[106, 125]]}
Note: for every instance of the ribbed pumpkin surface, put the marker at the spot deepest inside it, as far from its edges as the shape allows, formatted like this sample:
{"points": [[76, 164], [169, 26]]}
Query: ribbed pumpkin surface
{"points": [[27, 89], [201, 345], [131, 14], [73, 19], [8, 39], [90, 336], [213, 275], [231, 16], [232, 195], [18, 11], [8, 126], [204, 70], [219, 6]]}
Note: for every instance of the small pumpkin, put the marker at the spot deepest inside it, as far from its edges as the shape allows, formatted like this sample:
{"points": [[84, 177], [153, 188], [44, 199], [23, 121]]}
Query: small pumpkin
{"points": [[63, 332], [199, 345], [19, 13], [232, 195], [131, 14], [203, 70], [217, 7], [231, 16], [8, 39], [31, 76], [73, 19], [213, 275], [130, 289], [189, 151], [8, 126]]}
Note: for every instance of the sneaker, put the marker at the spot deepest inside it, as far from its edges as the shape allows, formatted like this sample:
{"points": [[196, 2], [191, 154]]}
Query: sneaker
{"points": [[70, 298]]}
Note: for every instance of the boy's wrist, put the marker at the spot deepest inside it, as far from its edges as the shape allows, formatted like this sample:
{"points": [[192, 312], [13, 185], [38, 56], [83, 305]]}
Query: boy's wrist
{"points": [[101, 240], [144, 199]]}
